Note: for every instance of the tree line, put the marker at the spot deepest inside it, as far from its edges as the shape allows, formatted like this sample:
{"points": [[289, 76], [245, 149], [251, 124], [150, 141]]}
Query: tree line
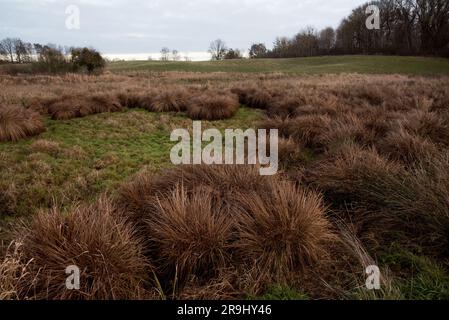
{"points": [[50, 58], [407, 27]]}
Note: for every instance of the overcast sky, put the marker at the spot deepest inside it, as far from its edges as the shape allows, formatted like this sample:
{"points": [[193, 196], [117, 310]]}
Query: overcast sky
{"points": [[138, 26]]}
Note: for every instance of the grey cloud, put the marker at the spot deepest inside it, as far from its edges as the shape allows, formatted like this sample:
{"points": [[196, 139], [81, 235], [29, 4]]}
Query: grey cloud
{"points": [[132, 26]]}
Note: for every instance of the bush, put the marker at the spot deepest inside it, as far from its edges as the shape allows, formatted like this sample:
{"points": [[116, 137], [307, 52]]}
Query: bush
{"points": [[88, 59], [17, 123]]}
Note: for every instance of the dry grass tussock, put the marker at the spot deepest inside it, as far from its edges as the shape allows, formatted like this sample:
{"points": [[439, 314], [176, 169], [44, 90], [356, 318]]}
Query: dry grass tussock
{"points": [[74, 106], [226, 222], [95, 238], [212, 105], [17, 123], [413, 198]]}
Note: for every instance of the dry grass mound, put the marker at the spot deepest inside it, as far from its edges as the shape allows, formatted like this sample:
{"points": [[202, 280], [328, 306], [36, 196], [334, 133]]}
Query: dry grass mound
{"points": [[428, 125], [414, 199], [46, 146], [283, 233], [213, 105], [402, 146], [97, 240], [70, 107], [171, 100], [192, 233], [201, 220], [254, 96], [17, 123], [138, 196]]}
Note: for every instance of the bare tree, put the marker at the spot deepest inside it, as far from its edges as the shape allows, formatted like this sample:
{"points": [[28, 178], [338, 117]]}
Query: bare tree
{"points": [[175, 55], [218, 49], [22, 51], [327, 40], [7, 47], [165, 54]]}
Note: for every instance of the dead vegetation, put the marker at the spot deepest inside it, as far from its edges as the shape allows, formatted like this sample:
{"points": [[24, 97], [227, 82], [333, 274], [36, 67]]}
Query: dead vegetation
{"points": [[17, 123], [95, 238]]}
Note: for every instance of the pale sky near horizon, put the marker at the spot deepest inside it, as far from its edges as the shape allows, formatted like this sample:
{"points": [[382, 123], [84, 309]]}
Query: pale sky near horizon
{"points": [[138, 26]]}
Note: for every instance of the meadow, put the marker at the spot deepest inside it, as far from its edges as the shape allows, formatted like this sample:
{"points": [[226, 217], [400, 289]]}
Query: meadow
{"points": [[86, 180], [303, 66]]}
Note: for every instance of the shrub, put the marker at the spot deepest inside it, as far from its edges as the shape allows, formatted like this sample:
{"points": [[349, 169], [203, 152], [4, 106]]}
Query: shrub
{"points": [[212, 105], [17, 123], [97, 240], [86, 58]]}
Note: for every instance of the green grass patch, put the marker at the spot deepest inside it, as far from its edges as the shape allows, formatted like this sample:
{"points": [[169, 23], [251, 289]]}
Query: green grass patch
{"points": [[281, 293], [94, 154], [312, 65], [419, 277]]}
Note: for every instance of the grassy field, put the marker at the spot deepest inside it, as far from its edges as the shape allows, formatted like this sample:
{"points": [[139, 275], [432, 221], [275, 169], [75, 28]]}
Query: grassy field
{"points": [[360, 142], [315, 65]]}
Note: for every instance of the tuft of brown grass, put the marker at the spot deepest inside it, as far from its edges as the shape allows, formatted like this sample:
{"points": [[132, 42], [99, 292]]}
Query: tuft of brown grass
{"points": [[309, 129], [97, 240], [171, 100], [253, 96], [409, 148], [138, 196], [290, 155], [283, 233], [70, 107], [17, 123], [46, 146], [14, 275], [413, 199], [191, 233], [212, 105], [427, 124]]}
